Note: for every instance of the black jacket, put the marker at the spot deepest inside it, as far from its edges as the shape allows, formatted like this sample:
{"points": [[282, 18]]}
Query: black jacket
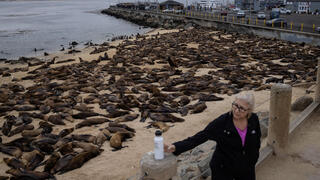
{"points": [[230, 156]]}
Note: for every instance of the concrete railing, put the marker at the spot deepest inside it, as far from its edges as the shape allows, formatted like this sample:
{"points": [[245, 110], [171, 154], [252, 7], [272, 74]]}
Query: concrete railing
{"points": [[279, 131]]}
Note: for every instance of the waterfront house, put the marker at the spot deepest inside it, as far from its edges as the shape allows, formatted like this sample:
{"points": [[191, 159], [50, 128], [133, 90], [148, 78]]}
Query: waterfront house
{"points": [[170, 4]]}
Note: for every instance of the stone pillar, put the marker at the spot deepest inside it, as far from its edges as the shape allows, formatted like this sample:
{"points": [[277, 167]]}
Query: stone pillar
{"points": [[317, 95], [164, 169], [280, 107]]}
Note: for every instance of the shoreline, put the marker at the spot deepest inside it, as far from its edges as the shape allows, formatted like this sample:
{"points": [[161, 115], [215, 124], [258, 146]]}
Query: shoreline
{"points": [[124, 164]]}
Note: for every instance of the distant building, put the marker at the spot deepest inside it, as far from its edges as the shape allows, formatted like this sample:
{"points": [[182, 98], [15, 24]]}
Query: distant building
{"points": [[170, 4], [303, 6], [254, 5]]}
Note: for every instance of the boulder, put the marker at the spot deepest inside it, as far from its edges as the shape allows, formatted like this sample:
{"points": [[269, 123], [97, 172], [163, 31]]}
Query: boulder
{"points": [[301, 103]]}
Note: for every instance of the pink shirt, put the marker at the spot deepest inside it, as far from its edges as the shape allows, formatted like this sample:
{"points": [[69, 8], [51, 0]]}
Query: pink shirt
{"points": [[242, 134]]}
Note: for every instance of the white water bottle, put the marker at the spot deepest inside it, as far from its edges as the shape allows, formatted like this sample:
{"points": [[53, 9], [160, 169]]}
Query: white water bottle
{"points": [[158, 146]]}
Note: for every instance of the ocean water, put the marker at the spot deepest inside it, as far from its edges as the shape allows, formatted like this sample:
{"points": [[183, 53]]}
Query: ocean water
{"points": [[47, 25]]}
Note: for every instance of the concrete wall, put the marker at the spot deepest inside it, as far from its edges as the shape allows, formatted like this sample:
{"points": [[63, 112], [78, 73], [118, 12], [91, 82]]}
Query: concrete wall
{"points": [[173, 20]]}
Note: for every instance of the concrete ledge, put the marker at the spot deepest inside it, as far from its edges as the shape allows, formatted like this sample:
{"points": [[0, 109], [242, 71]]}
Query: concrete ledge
{"points": [[265, 153], [302, 116]]}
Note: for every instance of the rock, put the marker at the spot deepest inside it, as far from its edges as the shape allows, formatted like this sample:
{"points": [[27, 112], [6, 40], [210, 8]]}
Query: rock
{"points": [[301, 103]]}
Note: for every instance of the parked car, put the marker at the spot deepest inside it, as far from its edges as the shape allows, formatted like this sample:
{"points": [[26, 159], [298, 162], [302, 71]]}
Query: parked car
{"points": [[168, 11], [236, 9], [178, 11], [285, 11], [318, 29], [261, 15], [241, 14], [277, 22]]}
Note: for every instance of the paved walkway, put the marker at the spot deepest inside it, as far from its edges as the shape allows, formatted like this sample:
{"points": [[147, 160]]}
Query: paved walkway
{"points": [[303, 159]]}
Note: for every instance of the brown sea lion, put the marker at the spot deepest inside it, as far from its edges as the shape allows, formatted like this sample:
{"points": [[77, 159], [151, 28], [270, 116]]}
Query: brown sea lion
{"points": [[92, 121], [66, 148], [84, 115], [114, 124], [14, 163], [85, 146], [27, 174], [84, 137], [198, 107], [45, 109], [144, 115], [184, 100], [129, 117], [116, 113], [78, 160], [62, 162], [7, 126], [164, 117], [50, 163], [160, 125], [11, 150], [31, 133], [21, 128], [65, 132], [35, 160], [102, 137], [117, 139], [56, 119]]}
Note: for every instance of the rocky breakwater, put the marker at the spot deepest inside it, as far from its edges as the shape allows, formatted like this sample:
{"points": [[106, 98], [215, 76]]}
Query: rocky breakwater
{"points": [[144, 19]]}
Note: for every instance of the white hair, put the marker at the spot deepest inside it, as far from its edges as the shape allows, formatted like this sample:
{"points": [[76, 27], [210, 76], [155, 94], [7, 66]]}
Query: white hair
{"points": [[247, 97]]}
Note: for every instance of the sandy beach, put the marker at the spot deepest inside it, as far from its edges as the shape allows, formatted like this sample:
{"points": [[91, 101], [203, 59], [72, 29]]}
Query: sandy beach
{"points": [[123, 164]]}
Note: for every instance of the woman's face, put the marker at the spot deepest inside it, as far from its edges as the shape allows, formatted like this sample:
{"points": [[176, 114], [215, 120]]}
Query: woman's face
{"points": [[240, 109]]}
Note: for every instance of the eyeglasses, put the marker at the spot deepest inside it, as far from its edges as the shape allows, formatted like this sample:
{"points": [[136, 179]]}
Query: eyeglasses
{"points": [[240, 108]]}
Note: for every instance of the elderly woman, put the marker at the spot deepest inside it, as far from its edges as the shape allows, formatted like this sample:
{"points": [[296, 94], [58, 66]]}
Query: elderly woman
{"points": [[237, 134]]}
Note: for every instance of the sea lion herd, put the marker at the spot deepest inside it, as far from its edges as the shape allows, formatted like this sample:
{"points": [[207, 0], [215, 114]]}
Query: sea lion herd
{"points": [[153, 80]]}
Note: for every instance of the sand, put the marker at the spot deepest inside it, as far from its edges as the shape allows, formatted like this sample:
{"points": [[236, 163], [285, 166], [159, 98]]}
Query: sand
{"points": [[124, 164]]}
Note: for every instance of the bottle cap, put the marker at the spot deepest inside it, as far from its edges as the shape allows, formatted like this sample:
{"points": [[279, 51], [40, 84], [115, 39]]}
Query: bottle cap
{"points": [[158, 133]]}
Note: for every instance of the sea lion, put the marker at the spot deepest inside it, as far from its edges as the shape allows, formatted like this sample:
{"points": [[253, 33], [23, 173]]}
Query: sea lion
{"points": [[160, 125], [11, 150], [27, 174], [66, 148], [56, 119], [84, 115], [199, 107], [84, 137], [144, 115], [31, 133], [114, 124], [92, 121], [65, 132], [23, 143], [20, 129], [50, 163], [35, 160], [184, 100], [6, 127], [85, 146], [45, 109], [62, 162], [165, 117], [102, 137], [116, 113], [14, 163], [117, 139], [78, 160], [129, 117]]}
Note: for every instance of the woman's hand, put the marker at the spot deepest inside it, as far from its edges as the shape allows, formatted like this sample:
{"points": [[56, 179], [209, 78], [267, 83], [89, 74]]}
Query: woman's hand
{"points": [[169, 148]]}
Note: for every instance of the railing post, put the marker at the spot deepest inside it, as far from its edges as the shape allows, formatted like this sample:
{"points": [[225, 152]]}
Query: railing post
{"points": [[317, 95], [280, 107], [164, 169]]}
